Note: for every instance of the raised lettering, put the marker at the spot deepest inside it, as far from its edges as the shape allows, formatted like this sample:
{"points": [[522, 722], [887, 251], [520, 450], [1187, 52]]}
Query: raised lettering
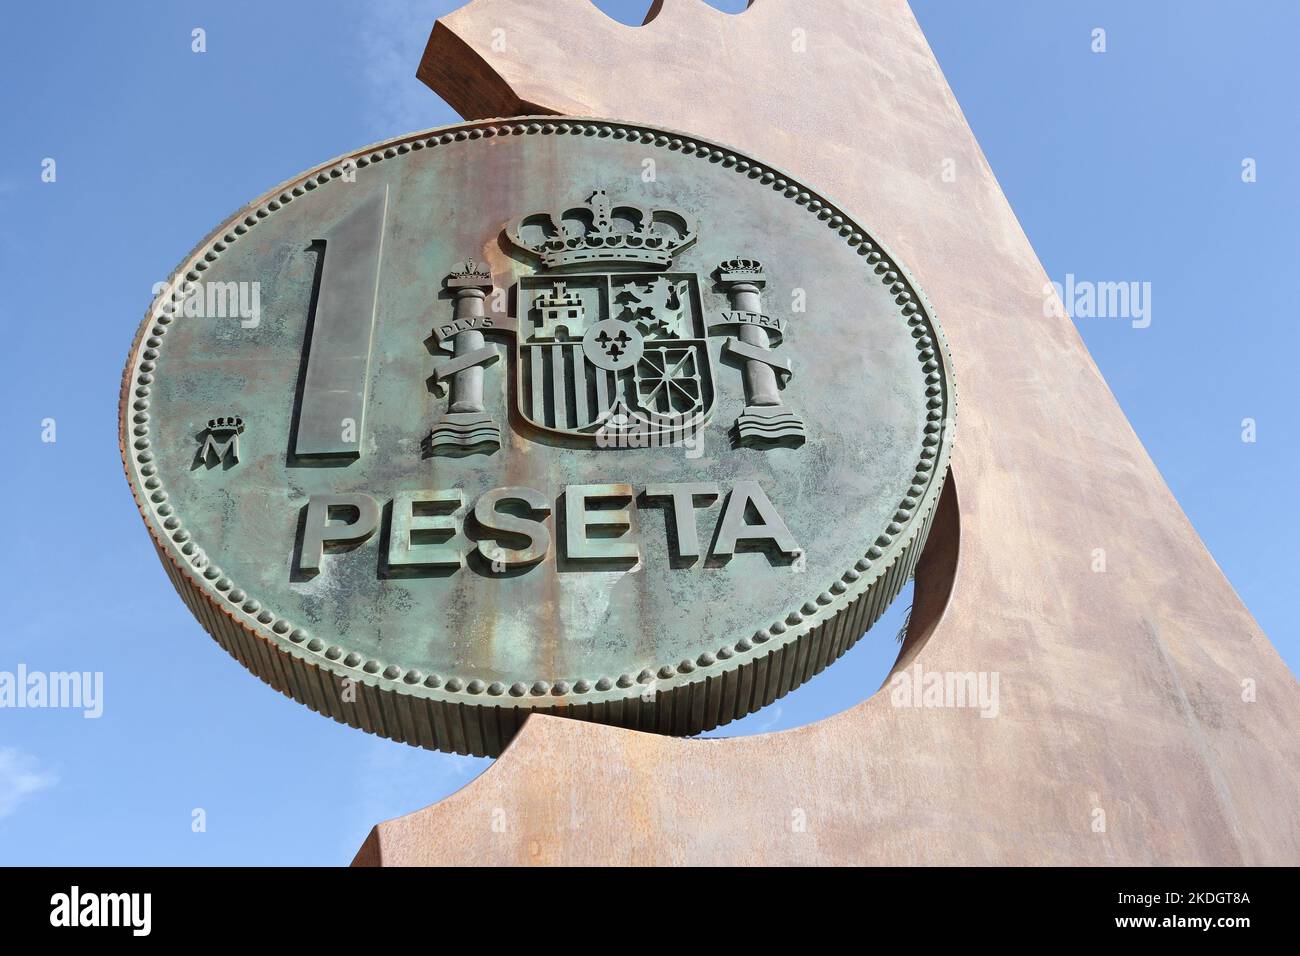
{"points": [[685, 495], [735, 526], [416, 520], [489, 518], [580, 521], [317, 530]]}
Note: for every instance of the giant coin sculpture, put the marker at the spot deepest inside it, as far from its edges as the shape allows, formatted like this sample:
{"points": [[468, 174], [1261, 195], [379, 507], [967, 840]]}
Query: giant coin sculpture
{"points": [[540, 414]]}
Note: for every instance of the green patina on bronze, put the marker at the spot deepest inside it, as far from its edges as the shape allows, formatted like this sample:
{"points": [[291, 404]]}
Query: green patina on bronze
{"points": [[403, 369]]}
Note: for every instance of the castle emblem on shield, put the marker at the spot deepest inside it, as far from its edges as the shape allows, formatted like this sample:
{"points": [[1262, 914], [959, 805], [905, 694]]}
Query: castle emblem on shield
{"points": [[612, 344]]}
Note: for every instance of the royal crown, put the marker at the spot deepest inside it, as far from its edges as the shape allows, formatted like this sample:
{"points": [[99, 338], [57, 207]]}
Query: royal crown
{"points": [[470, 275], [741, 270], [603, 232], [232, 423]]}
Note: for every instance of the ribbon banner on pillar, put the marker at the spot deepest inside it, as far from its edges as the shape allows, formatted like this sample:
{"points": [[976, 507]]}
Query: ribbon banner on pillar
{"points": [[524, 429], [466, 426]]}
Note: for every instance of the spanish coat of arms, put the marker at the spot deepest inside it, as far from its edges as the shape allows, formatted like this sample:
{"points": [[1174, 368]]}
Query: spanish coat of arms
{"points": [[611, 343]]}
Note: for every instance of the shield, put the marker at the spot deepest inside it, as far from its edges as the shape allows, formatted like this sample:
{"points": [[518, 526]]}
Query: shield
{"points": [[621, 358]]}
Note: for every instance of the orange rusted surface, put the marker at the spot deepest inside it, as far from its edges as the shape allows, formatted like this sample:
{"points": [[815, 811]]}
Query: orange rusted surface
{"points": [[1120, 692]]}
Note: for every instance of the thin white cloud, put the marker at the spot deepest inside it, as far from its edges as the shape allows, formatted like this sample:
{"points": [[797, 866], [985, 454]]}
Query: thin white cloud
{"points": [[21, 776], [773, 719], [392, 38], [394, 779], [392, 772]]}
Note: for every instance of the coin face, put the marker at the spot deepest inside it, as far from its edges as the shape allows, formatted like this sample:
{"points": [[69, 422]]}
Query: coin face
{"points": [[547, 414]]}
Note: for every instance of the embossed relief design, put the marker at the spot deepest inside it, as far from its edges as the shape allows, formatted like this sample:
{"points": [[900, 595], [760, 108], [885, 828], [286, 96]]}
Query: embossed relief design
{"points": [[618, 356]]}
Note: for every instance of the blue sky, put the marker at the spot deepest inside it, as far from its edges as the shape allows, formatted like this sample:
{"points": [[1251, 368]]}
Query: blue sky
{"points": [[1122, 166]]}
